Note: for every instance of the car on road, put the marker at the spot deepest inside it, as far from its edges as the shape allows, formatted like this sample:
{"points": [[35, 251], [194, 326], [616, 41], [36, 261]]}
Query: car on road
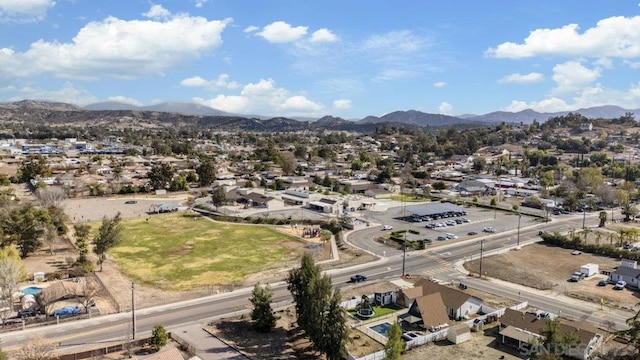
{"points": [[442, 238], [489, 229], [387, 227], [620, 285], [472, 233], [451, 236], [129, 202], [358, 278]]}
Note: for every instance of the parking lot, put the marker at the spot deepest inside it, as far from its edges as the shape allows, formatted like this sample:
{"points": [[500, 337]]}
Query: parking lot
{"points": [[400, 218]]}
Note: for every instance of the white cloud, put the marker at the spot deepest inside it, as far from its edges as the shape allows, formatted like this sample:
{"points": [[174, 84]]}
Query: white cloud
{"points": [[342, 104], [572, 76], [250, 29], [440, 84], [200, 3], [24, 10], [400, 54], [522, 79], [445, 108], [264, 98], [126, 100], [222, 82], [586, 97], [117, 48], [616, 36], [281, 32], [632, 64], [157, 12], [300, 103], [68, 93], [323, 35]]}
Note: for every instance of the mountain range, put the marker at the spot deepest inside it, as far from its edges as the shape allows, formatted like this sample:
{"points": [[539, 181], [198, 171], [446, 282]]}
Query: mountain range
{"points": [[412, 117], [199, 115]]}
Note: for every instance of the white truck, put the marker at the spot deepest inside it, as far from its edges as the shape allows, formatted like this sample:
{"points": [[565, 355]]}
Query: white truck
{"points": [[589, 269]]}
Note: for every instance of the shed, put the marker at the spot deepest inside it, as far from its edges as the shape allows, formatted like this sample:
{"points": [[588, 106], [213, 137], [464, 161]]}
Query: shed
{"points": [[459, 333]]}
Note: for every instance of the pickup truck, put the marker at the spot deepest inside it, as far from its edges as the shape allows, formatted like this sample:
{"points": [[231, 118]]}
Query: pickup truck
{"points": [[577, 276]]}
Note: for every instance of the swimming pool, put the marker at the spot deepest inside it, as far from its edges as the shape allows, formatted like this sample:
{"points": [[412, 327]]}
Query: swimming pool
{"points": [[381, 328], [31, 290]]}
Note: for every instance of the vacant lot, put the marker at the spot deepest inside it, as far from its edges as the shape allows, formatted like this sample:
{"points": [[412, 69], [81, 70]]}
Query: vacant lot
{"points": [[482, 346], [184, 251], [549, 268]]}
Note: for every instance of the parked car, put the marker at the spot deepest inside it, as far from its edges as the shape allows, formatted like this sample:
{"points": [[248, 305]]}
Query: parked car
{"points": [[603, 282], [67, 310], [24, 313], [577, 276], [358, 278], [620, 285], [387, 227], [489, 229]]}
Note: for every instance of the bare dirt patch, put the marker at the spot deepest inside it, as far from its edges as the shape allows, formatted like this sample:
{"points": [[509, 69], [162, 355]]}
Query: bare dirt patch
{"points": [[481, 346], [549, 268]]}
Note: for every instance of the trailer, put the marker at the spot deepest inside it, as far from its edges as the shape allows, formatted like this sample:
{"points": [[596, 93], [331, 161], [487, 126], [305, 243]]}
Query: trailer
{"points": [[589, 269]]}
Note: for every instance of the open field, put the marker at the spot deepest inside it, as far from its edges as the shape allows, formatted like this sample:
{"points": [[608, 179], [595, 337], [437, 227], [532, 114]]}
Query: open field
{"points": [[549, 268], [183, 251]]}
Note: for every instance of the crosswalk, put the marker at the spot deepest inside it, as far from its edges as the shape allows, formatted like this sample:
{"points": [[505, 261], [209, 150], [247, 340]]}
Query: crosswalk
{"points": [[444, 264]]}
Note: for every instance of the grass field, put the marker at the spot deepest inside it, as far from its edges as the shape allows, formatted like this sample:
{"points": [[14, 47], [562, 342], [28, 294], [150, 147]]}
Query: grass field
{"points": [[182, 251], [379, 311]]}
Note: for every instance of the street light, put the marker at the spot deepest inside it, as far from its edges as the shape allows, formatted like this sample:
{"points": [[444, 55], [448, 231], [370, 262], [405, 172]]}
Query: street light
{"points": [[133, 311]]}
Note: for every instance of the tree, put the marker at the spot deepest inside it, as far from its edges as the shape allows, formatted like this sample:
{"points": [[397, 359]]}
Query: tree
{"points": [[334, 329], [51, 196], [33, 168], [37, 347], [206, 173], [81, 232], [50, 236], [218, 197], [160, 176], [439, 185], [288, 162], [12, 272], [602, 216], [159, 337], [318, 308], [262, 313], [554, 343], [395, 346], [479, 164], [109, 235], [23, 227], [89, 290], [299, 281], [494, 201], [628, 210], [179, 183]]}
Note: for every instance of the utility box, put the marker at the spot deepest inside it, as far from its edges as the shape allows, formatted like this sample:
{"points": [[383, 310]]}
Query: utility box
{"points": [[589, 269]]}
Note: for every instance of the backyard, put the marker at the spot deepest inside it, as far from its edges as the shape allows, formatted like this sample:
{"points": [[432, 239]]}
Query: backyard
{"points": [[186, 251]]}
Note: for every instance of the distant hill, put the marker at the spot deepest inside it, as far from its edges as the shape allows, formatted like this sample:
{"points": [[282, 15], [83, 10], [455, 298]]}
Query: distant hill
{"points": [[186, 108], [415, 117], [527, 116]]}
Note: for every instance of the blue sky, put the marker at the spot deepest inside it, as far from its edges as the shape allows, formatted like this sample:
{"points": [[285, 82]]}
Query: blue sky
{"points": [[313, 58]]}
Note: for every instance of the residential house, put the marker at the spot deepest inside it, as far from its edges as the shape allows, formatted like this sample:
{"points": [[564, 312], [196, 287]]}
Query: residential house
{"points": [[520, 329], [458, 304], [427, 312], [628, 272], [378, 193]]}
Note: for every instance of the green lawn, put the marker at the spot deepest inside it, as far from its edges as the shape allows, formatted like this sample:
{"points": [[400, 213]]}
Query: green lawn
{"points": [[378, 311], [179, 251]]}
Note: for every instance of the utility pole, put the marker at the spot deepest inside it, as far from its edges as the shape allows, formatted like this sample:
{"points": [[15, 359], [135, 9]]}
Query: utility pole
{"points": [[404, 252], [518, 240], [133, 311], [481, 250], [584, 217]]}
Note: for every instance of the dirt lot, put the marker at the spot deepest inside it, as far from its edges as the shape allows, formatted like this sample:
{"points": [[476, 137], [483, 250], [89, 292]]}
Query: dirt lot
{"points": [[482, 346], [549, 268]]}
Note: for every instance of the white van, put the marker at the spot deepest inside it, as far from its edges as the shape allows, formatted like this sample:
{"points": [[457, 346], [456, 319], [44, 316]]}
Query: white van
{"points": [[450, 236]]}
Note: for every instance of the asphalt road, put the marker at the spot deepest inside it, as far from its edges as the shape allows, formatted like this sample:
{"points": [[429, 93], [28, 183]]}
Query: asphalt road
{"points": [[117, 326]]}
